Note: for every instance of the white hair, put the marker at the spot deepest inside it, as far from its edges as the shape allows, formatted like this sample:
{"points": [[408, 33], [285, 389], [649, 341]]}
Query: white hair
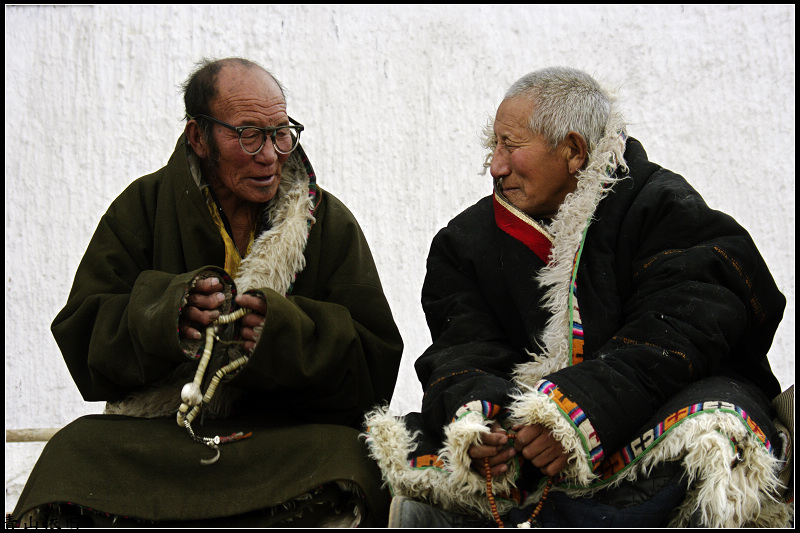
{"points": [[564, 100]]}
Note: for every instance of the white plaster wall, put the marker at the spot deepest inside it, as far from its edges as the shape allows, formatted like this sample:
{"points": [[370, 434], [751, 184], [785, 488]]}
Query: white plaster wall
{"points": [[393, 99]]}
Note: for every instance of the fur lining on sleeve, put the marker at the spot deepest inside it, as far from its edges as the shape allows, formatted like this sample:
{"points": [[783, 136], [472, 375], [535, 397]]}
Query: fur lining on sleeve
{"points": [[535, 407], [451, 484]]}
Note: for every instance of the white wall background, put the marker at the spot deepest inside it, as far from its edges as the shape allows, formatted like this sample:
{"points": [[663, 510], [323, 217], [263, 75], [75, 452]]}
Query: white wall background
{"points": [[393, 99]]}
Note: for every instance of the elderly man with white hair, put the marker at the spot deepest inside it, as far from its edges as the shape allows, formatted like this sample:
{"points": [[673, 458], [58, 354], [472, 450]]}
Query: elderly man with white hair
{"points": [[600, 339]]}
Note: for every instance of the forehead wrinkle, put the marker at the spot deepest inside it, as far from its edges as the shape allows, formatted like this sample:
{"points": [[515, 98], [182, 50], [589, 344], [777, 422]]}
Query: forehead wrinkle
{"points": [[252, 109], [249, 94], [511, 131], [514, 114], [253, 105]]}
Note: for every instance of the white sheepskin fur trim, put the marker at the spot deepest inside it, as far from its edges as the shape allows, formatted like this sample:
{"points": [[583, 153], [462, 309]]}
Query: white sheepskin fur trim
{"points": [[277, 255], [567, 228], [719, 495], [744, 495], [536, 408], [455, 486]]}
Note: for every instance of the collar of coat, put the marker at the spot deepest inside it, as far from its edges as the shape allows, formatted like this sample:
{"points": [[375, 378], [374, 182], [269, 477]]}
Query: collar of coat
{"points": [[278, 252], [558, 245], [521, 227]]}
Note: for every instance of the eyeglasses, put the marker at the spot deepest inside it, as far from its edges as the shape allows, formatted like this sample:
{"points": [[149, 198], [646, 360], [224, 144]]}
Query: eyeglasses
{"points": [[252, 139]]}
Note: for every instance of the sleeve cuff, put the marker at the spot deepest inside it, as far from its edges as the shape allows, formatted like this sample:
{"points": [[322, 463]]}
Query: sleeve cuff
{"points": [[545, 404]]}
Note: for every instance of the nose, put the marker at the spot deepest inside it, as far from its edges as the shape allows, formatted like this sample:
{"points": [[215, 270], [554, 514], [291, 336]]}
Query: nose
{"points": [[267, 155], [499, 167]]}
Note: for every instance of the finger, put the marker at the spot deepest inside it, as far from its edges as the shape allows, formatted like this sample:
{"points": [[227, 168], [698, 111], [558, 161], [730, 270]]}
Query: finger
{"points": [[480, 467], [252, 321], [495, 427], [494, 439], [191, 314], [545, 456], [495, 454], [554, 467], [188, 332], [208, 285], [498, 470], [254, 303], [497, 463], [526, 435], [479, 451], [543, 444], [251, 334], [206, 301]]}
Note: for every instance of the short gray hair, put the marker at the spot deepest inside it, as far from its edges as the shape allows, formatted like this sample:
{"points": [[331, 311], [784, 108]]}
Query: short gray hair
{"points": [[565, 99]]}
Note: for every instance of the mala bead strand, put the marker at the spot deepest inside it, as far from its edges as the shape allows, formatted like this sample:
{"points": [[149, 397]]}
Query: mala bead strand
{"points": [[191, 395], [493, 504], [221, 373], [231, 317]]}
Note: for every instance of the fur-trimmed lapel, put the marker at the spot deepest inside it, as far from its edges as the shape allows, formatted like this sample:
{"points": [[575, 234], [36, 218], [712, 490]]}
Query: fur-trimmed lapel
{"points": [[277, 255], [568, 229]]}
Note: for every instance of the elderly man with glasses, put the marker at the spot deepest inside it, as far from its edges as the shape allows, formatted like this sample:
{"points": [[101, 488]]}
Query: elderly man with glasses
{"points": [[226, 292]]}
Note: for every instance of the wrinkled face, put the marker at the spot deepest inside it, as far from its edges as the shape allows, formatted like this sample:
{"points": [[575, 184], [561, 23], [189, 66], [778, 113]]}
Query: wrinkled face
{"points": [[247, 97], [535, 178]]}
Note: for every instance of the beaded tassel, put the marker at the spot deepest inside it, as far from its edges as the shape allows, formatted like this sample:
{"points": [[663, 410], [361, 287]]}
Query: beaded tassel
{"points": [[192, 397]]}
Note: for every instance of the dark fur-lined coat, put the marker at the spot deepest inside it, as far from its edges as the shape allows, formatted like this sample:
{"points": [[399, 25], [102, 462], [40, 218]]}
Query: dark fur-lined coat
{"points": [[329, 350], [670, 303]]}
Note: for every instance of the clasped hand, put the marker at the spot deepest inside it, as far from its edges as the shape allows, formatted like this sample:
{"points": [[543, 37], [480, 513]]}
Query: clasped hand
{"points": [[202, 308], [536, 444]]}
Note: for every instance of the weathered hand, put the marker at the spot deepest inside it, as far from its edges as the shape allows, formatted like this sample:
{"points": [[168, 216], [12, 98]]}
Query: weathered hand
{"points": [[494, 446], [201, 308], [537, 444], [253, 322]]}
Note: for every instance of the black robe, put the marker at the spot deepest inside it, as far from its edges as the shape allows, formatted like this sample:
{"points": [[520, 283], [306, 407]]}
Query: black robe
{"points": [[673, 312], [670, 292]]}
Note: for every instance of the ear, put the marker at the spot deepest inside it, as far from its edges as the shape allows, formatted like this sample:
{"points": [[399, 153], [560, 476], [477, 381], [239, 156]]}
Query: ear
{"points": [[197, 139], [576, 151]]}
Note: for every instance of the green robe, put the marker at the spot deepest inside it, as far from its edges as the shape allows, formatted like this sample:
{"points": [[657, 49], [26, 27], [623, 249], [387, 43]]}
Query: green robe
{"points": [[328, 351]]}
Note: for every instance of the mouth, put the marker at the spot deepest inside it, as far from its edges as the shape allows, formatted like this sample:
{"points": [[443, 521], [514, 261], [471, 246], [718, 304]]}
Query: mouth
{"points": [[264, 181]]}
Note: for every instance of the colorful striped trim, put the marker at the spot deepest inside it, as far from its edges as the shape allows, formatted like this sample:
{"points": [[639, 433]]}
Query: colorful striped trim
{"points": [[576, 325], [580, 422], [488, 410], [623, 458], [426, 461]]}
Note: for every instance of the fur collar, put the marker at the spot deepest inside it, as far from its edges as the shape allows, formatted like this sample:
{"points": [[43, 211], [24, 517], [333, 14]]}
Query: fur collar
{"points": [[568, 228], [277, 255]]}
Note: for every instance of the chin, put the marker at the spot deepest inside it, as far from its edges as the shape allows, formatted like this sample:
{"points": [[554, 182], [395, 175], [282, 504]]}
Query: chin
{"points": [[262, 195], [266, 196]]}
